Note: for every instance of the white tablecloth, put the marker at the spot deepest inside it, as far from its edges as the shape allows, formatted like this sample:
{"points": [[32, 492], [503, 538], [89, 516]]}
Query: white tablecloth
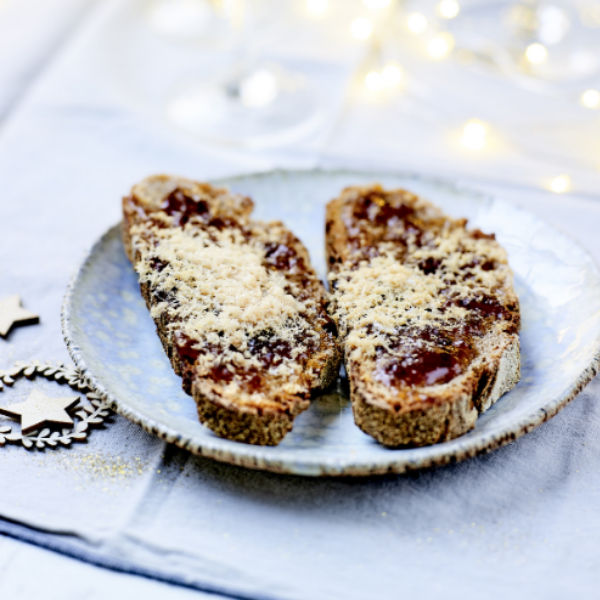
{"points": [[519, 522]]}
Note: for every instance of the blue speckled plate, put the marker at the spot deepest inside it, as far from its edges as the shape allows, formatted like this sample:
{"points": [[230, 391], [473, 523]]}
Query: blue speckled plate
{"points": [[111, 336]]}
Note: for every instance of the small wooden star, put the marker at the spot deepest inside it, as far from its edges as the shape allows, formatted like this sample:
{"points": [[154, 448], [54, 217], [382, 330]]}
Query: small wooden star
{"points": [[39, 409], [12, 313]]}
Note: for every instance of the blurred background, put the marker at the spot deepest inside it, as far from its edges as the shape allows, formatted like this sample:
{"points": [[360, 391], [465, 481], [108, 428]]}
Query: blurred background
{"points": [[501, 90]]}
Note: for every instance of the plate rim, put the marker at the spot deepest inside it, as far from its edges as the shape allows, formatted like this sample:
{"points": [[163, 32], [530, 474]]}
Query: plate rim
{"points": [[250, 456]]}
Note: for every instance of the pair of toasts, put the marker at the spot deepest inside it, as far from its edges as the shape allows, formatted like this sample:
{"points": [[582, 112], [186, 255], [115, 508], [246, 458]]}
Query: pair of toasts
{"points": [[421, 310]]}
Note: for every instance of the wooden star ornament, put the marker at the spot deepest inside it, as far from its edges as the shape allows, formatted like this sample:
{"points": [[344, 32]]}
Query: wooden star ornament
{"points": [[39, 409], [12, 313]]}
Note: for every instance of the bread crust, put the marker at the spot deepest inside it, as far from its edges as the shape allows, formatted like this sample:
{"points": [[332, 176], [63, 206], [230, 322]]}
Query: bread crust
{"points": [[268, 415], [423, 414]]}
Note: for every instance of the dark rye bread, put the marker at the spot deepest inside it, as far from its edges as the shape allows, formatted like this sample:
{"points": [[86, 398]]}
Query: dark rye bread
{"points": [[238, 307], [427, 314]]}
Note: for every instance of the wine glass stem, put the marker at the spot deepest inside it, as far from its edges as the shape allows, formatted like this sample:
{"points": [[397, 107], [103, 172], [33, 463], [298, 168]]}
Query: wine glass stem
{"points": [[243, 52]]}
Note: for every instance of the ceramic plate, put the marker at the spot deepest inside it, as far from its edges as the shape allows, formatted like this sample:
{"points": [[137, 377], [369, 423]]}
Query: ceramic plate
{"points": [[111, 336]]}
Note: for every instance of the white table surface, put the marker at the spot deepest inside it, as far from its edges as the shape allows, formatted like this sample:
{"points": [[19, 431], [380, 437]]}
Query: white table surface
{"points": [[32, 41]]}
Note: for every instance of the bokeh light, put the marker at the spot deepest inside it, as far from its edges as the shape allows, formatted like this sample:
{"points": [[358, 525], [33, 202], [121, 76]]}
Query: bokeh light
{"points": [[474, 135], [361, 28], [377, 4], [448, 9], [590, 99], [392, 75], [416, 23], [317, 7], [374, 81], [560, 184], [439, 46], [536, 53]]}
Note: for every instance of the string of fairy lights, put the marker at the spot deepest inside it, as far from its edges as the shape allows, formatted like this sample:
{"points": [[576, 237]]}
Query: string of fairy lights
{"points": [[439, 45], [426, 30]]}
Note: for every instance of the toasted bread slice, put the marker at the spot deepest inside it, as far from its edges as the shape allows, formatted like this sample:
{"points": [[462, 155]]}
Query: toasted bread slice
{"points": [[238, 308], [427, 313]]}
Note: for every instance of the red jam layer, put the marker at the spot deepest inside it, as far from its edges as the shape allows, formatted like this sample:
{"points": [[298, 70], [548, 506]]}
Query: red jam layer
{"points": [[422, 358]]}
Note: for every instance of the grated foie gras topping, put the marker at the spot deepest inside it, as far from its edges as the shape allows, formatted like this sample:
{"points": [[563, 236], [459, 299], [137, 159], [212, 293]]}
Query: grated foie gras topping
{"points": [[414, 281], [220, 293]]}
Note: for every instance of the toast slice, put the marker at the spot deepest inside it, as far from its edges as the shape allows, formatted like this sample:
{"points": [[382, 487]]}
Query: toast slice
{"points": [[238, 307], [427, 314]]}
